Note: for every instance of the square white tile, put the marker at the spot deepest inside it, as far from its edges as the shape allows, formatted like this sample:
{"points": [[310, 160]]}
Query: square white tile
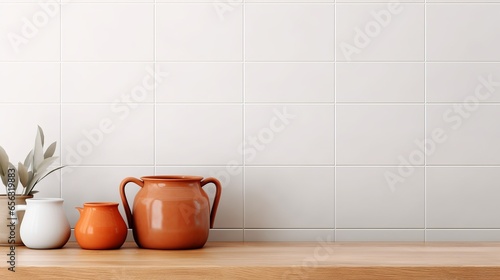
{"points": [[459, 82], [463, 1], [379, 235], [290, 235], [289, 197], [289, 82], [108, 82], [30, 82], [366, 198], [288, 1], [230, 211], [462, 235], [107, 32], [98, 184], [284, 135], [468, 136], [18, 137], [379, 134], [289, 32], [105, 1], [31, 32], [462, 197], [198, 134], [226, 235], [380, 32], [112, 134], [380, 82], [462, 32], [376, 1], [195, 32], [201, 82]]}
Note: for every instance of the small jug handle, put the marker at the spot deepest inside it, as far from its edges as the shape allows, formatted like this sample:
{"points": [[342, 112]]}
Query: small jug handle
{"points": [[19, 207], [218, 191], [125, 181]]}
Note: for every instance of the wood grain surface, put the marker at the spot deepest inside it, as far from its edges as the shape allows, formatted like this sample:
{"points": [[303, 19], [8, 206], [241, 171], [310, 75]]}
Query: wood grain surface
{"points": [[262, 260]]}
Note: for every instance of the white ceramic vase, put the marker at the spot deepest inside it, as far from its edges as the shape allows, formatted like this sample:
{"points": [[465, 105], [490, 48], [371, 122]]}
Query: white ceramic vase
{"points": [[44, 225]]}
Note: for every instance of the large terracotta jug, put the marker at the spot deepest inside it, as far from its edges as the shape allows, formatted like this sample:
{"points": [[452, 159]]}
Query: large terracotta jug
{"points": [[171, 212]]}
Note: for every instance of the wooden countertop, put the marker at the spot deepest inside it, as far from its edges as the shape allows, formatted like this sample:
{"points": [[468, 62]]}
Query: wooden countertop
{"points": [[262, 260]]}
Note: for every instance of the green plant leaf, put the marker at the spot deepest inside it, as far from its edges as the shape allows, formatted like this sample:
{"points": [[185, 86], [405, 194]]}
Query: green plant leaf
{"points": [[38, 150], [29, 160], [30, 174], [38, 178], [42, 136], [4, 162], [50, 150], [23, 174], [33, 192]]}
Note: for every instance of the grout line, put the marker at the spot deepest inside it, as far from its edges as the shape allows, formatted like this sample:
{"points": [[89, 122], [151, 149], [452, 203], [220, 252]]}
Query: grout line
{"points": [[155, 132], [260, 3], [250, 62], [254, 103], [425, 120], [243, 11], [335, 122], [288, 166], [60, 100]]}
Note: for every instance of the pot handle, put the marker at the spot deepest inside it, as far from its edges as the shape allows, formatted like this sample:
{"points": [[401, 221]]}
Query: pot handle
{"points": [[218, 191], [125, 181], [13, 214]]}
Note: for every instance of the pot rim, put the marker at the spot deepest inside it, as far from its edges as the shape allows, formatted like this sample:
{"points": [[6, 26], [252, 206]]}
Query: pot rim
{"points": [[172, 178], [100, 204], [17, 196], [45, 200]]}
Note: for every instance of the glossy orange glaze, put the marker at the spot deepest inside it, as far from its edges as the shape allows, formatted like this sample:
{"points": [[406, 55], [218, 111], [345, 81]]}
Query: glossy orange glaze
{"points": [[171, 212], [100, 226]]}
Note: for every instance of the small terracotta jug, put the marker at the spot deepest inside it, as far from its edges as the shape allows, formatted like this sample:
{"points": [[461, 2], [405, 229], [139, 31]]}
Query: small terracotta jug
{"points": [[100, 226], [171, 212]]}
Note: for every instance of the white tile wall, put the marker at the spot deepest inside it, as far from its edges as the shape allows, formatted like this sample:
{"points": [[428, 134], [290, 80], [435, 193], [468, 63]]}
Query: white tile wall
{"points": [[288, 197], [289, 82], [29, 33], [272, 33], [380, 32], [462, 32], [364, 200], [325, 120], [380, 82], [473, 203], [201, 82], [455, 82], [112, 32], [392, 129], [107, 82], [208, 38], [31, 82]]}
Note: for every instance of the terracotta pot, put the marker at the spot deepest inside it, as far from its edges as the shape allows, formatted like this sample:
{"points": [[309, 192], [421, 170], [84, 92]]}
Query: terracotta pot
{"points": [[5, 229], [100, 226], [171, 212]]}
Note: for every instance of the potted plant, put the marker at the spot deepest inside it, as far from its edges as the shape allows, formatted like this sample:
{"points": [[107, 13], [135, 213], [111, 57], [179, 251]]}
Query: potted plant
{"points": [[29, 173]]}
